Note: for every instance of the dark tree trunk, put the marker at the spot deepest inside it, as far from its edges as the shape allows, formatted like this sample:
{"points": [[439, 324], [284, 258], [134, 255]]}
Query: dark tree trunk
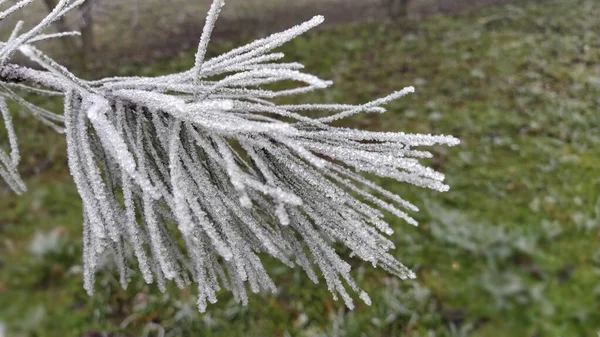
{"points": [[62, 26], [87, 33], [80, 50], [397, 8]]}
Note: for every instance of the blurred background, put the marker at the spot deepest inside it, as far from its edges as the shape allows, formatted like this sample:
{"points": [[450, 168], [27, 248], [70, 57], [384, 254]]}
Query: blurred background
{"points": [[511, 250]]}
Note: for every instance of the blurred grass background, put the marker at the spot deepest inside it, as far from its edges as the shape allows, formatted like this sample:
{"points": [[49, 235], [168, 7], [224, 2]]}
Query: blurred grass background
{"points": [[511, 250]]}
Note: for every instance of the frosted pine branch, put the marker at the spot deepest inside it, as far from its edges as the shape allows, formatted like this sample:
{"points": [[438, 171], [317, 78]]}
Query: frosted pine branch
{"points": [[197, 174]]}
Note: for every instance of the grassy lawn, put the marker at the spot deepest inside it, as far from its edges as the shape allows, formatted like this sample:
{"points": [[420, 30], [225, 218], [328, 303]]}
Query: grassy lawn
{"points": [[511, 250]]}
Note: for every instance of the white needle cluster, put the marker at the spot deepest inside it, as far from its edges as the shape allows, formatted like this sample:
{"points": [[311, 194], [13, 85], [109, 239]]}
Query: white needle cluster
{"points": [[200, 175]]}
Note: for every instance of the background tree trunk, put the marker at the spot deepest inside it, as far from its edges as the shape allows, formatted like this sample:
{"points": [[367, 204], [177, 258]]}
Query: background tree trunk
{"points": [[61, 26], [87, 33], [397, 8], [78, 51]]}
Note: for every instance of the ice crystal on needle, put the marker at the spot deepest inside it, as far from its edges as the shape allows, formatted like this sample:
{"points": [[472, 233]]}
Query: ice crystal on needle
{"points": [[199, 175]]}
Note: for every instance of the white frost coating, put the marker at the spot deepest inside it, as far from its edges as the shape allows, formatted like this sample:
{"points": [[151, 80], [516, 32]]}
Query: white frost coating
{"points": [[208, 105], [208, 150], [369, 105], [109, 135]]}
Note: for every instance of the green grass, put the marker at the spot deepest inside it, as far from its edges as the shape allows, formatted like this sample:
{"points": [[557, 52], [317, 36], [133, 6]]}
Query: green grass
{"points": [[510, 250]]}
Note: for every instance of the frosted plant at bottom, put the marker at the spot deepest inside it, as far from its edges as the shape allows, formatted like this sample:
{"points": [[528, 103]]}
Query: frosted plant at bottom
{"points": [[199, 173]]}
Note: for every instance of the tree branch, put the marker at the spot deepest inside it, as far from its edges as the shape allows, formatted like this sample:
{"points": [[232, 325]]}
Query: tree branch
{"points": [[12, 73]]}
